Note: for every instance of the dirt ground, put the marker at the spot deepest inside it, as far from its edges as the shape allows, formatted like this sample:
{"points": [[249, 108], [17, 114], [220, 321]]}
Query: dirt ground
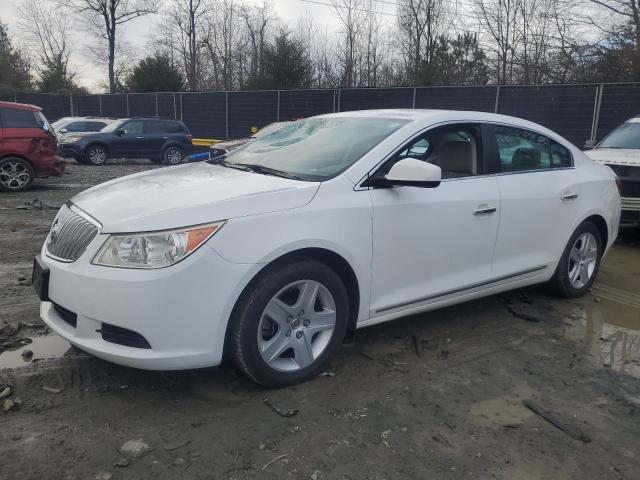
{"points": [[382, 411]]}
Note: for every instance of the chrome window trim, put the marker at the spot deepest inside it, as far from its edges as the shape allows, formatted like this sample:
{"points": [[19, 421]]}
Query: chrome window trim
{"points": [[358, 186]]}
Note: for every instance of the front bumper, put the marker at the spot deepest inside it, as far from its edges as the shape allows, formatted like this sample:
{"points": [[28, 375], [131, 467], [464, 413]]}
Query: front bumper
{"points": [[70, 150], [182, 310]]}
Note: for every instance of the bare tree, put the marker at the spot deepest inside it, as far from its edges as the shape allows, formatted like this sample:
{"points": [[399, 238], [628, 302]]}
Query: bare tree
{"points": [[257, 21], [103, 17], [419, 24], [352, 15], [46, 30], [498, 20], [188, 16], [221, 41]]}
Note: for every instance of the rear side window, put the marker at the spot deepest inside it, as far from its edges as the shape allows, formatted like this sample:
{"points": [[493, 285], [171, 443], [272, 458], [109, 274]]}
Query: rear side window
{"points": [[174, 127], [17, 118], [521, 150]]}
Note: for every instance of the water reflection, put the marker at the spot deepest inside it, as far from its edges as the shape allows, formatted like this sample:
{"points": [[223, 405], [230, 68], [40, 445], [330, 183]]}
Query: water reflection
{"points": [[608, 327], [45, 346]]}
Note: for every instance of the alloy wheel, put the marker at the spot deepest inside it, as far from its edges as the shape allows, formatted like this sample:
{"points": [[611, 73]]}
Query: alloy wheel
{"points": [[174, 156], [14, 175], [97, 156], [296, 325], [582, 260]]}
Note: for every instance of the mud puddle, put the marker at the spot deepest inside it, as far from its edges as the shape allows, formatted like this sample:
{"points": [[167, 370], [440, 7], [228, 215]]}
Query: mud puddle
{"points": [[607, 322], [45, 346]]}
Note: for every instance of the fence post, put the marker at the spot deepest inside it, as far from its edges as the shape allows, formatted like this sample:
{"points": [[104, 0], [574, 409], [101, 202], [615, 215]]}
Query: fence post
{"points": [[495, 107], [596, 111], [226, 113], [181, 102], [339, 98], [175, 111], [334, 100], [127, 104], [100, 102], [157, 115], [278, 112], [414, 98], [71, 105]]}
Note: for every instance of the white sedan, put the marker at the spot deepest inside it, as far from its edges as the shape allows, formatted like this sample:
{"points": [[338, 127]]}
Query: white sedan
{"points": [[279, 250]]}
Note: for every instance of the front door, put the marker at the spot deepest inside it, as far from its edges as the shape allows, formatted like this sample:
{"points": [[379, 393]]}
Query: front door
{"points": [[130, 143], [433, 243]]}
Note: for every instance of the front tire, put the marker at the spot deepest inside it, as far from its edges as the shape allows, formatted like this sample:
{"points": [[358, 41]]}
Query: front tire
{"points": [[580, 262], [96, 155], [288, 323], [16, 174]]}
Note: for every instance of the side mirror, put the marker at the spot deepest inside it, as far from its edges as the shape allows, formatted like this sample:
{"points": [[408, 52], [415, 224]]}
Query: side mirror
{"points": [[63, 130], [589, 144], [412, 172], [120, 131]]}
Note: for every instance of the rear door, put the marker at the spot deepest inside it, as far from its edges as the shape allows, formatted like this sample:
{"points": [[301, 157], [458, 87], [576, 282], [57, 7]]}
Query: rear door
{"points": [[155, 134], [539, 198]]}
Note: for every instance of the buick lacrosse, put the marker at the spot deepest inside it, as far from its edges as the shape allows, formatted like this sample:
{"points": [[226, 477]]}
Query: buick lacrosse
{"points": [[273, 254]]}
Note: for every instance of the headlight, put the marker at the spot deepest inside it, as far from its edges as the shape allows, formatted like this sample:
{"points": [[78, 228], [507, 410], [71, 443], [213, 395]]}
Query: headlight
{"points": [[69, 139], [154, 249]]}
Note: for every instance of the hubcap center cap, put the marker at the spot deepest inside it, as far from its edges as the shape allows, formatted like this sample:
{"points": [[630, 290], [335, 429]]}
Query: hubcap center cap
{"points": [[295, 323]]}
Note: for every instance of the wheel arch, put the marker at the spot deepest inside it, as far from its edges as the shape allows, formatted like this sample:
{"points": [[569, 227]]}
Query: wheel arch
{"points": [[21, 157], [328, 257], [601, 224]]}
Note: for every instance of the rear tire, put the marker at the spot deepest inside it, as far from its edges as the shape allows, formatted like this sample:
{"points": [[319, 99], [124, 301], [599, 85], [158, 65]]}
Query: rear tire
{"points": [[16, 175], [290, 345], [172, 155], [95, 155], [580, 262]]}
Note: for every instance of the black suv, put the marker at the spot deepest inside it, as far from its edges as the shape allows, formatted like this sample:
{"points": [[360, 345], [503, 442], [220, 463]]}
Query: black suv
{"points": [[162, 141]]}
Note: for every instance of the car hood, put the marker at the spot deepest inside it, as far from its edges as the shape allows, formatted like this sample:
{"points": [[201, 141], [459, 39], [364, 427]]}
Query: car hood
{"points": [[615, 156], [187, 195]]}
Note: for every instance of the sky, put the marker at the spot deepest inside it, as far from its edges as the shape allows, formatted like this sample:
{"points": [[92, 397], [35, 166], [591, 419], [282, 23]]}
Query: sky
{"points": [[139, 30]]}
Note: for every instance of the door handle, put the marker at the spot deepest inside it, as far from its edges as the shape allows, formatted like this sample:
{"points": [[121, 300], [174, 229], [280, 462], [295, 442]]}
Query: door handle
{"points": [[484, 210], [569, 196]]}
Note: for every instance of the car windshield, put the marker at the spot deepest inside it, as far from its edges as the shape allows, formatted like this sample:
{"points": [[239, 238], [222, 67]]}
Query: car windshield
{"points": [[113, 126], [269, 129], [625, 136], [60, 122], [317, 148]]}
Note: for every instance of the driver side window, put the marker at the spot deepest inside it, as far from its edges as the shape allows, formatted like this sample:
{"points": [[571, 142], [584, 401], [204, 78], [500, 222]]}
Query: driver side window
{"points": [[133, 127], [453, 148]]}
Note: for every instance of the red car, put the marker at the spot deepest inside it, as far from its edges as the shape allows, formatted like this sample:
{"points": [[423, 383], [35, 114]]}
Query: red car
{"points": [[27, 147]]}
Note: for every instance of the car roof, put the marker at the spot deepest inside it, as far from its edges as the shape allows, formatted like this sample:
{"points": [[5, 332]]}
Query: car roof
{"points": [[426, 117], [20, 106]]}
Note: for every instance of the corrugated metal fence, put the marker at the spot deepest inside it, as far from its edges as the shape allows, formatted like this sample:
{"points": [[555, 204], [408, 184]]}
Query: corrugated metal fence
{"points": [[577, 112]]}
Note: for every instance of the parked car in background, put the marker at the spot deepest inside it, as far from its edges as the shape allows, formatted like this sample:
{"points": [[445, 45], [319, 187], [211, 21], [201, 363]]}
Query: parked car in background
{"points": [[27, 147], [277, 251], [222, 148], [70, 125], [620, 150], [160, 140]]}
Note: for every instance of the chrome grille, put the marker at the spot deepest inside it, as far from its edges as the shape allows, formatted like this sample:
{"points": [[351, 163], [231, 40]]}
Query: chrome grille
{"points": [[70, 235]]}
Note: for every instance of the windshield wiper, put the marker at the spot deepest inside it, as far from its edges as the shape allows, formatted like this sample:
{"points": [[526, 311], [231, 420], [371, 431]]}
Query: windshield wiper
{"points": [[265, 170]]}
